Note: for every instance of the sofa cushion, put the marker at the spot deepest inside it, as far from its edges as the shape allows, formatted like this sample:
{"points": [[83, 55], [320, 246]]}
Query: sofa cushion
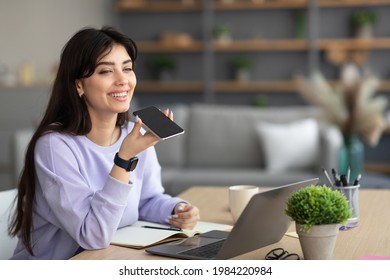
{"points": [[222, 136], [294, 145]]}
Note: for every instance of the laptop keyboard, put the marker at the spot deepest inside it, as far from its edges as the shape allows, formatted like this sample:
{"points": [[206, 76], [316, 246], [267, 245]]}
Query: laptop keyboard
{"points": [[207, 251]]}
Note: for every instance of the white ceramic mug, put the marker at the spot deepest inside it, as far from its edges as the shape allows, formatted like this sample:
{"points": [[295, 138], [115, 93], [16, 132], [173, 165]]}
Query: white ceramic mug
{"points": [[239, 197]]}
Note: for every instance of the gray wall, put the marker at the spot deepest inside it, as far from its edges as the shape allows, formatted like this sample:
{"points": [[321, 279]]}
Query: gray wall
{"points": [[35, 31]]}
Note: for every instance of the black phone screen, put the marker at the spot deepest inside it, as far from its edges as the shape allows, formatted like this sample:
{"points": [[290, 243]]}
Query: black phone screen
{"points": [[158, 123]]}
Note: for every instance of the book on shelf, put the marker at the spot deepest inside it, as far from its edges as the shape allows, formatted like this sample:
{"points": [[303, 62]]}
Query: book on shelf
{"points": [[143, 234]]}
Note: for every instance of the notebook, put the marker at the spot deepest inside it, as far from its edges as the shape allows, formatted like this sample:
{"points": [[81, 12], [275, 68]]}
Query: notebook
{"points": [[263, 222], [142, 234]]}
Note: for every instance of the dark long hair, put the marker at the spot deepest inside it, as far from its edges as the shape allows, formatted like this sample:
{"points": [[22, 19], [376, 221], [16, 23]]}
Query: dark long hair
{"points": [[66, 112]]}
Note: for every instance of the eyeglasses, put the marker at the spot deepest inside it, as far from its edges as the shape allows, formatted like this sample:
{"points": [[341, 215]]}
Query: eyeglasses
{"points": [[281, 254]]}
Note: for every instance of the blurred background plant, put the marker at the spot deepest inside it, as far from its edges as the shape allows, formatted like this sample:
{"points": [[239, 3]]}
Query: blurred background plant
{"points": [[352, 106], [242, 66], [163, 66], [222, 33], [363, 22]]}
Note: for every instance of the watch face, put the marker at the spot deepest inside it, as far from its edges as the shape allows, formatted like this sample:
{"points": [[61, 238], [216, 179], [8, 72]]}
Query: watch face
{"points": [[133, 163], [128, 165]]}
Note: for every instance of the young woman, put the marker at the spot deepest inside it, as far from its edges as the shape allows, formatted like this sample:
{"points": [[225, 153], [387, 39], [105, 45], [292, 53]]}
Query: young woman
{"points": [[88, 169]]}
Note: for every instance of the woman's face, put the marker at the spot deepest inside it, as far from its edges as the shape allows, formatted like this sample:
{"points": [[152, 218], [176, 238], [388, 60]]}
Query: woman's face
{"points": [[110, 88]]}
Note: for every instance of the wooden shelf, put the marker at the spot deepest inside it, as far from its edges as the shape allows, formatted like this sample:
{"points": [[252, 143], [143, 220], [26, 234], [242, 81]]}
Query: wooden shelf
{"points": [[262, 45], [351, 3], [255, 45], [219, 86], [155, 47], [231, 86], [251, 45], [280, 4], [385, 86], [176, 6], [160, 6], [354, 44], [174, 86], [255, 86], [377, 167]]}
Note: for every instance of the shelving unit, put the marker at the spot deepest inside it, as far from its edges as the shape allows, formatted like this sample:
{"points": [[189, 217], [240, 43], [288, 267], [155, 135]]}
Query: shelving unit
{"points": [[262, 45], [206, 47], [181, 86], [351, 3], [355, 44], [157, 47], [158, 6], [248, 5]]}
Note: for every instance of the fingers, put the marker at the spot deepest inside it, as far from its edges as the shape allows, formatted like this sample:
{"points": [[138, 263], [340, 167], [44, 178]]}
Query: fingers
{"points": [[137, 131], [137, 124], [135, 142], [186, 216], [169, 113]]}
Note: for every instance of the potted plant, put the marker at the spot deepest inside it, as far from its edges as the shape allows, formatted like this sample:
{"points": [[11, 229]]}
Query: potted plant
{"points": [[163, 66], [241, 67], [318, 212], [222, 33], [363, 22]]}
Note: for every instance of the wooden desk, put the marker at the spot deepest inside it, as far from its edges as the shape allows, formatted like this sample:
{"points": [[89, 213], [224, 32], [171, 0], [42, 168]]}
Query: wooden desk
{"points": [[371, 237]]}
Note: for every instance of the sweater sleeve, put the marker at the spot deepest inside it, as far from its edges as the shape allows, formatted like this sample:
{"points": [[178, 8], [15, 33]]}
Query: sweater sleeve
{"points": [[90, 217], [155, 205]]}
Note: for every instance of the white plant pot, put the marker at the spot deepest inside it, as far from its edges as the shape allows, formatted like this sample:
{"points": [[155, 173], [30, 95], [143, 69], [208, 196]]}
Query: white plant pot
{"points": [[224, 39], [165, 76], [319, 242], [365, 31], [243, 75]]}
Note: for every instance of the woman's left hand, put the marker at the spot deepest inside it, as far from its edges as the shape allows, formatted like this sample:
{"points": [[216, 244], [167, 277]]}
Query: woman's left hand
{"points": [[186, 216]]}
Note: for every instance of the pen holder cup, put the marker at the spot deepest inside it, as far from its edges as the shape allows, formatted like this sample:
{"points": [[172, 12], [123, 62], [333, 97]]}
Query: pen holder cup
{"points": [[352, 195]]}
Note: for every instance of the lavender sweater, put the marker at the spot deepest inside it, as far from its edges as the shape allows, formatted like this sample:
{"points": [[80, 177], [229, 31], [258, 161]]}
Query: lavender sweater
{"points": [[78, 204]]}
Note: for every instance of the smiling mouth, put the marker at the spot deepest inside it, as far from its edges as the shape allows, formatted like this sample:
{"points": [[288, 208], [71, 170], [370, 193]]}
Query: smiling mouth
{"points": [[119, 94]]}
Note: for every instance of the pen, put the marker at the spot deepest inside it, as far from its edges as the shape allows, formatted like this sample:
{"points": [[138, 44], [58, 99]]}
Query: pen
{"points": [[357, 180], [348, 174], [327, 176], [338, 180], [344, 180], [164, 228], [334, 173]]}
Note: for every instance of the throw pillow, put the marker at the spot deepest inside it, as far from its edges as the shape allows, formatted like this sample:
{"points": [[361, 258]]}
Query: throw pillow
{"points": [[289, 146]]}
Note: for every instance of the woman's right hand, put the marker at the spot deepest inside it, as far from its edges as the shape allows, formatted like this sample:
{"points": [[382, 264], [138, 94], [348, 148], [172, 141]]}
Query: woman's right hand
{"points": [[136, 142]]}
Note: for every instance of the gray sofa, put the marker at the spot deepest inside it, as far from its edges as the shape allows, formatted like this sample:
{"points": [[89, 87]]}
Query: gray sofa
{"points": [[228, 145]]}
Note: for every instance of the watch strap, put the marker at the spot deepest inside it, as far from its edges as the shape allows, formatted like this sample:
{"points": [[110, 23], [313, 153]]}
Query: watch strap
{"points": [[128, 165]]}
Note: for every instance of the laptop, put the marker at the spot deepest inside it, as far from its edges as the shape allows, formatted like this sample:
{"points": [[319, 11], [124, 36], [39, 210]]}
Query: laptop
{"points": [[263, 222]]}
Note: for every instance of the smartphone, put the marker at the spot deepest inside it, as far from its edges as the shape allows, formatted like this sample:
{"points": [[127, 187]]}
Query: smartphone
{"points": [[158, 123]]}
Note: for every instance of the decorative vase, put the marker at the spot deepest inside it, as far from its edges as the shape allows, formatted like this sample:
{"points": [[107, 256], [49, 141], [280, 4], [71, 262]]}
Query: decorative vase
{"points": [[319, 242], [351, 156]]}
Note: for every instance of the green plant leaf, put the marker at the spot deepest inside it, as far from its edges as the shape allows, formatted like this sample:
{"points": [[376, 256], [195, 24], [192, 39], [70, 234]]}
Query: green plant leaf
{"points": [[317, 205]]}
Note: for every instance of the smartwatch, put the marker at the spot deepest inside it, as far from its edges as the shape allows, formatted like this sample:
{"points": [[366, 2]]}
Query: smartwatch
{"points": [[128, 165]]}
